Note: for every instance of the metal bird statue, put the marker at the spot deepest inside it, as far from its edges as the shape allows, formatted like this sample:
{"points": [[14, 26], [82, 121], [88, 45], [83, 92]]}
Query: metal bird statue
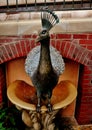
{"points": [[44, 64]]}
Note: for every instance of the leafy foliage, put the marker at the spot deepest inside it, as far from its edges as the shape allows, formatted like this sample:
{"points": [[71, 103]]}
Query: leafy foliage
{"points": [[10, 119]]}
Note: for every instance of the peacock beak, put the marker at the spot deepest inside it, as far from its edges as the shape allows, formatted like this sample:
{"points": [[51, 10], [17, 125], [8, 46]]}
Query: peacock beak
{"points": [[38, 39]]}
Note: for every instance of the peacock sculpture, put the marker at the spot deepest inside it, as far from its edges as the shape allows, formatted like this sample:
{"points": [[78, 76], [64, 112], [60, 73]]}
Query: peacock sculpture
{"points": [[44, 63]]}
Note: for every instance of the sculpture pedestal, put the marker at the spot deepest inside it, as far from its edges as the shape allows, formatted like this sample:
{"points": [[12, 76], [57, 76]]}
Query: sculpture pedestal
{"points": [[24, 97], [40, 121]]}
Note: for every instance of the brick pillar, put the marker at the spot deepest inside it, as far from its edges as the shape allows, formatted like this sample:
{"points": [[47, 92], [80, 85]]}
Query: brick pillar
{"points": [[84, 100], [2, 85]]}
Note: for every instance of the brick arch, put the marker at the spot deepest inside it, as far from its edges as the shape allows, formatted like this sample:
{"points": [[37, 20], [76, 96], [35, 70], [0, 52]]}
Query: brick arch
{"points": [[68, 50], [15, 49], [74, 51]]}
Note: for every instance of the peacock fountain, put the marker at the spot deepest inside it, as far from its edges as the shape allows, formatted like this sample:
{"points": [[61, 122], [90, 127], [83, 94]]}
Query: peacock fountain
{"points": [[41, 103]]}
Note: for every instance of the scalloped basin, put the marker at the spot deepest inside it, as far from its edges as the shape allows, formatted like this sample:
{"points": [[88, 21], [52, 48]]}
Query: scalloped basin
{"points": [[24, 96]]}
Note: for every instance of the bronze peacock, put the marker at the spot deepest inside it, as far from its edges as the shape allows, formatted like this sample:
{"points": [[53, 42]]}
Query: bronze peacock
{"points": [[44, 64]]}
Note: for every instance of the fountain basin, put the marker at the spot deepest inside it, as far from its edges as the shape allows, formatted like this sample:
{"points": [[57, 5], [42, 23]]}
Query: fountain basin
{"points": [[24, 96]]}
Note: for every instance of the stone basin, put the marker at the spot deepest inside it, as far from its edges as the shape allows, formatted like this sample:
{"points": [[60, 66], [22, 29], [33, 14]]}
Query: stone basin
{"points": [[24, 96]]}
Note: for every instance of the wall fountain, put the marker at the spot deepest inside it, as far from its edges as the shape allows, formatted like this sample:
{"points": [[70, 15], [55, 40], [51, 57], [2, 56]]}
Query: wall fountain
{"points": [[24, 95]]}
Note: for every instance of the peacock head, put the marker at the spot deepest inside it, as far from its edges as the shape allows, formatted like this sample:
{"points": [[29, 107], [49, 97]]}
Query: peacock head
{"points": [[48, 19], [43, 34]]}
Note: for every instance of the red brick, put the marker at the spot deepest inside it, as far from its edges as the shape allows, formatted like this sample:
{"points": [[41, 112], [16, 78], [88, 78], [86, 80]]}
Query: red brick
{"points": [[28, 45], [26, 42], [85, 106], [86, 81], [89, 47], [85, 113], [34, 36], [14, 50], [90, 36], [27, 36], [66, 49], [87, 94], [58, 43], [87, 76], [2, 82], [63, 36], [2, 59], [85, 116], [9, 51], [83, 121], [89, 111], [7, 39], [90, 64], [76, 50], [53, 43], [85, 42], [19, 51], [80, 36], [86, 89], [32, 43], [78, 56], [53, 36], [13, 37], [23, 47], [87, 70], [4, 52], [71, 50], [86, 99], [84, 45], [89, 55], [63, 47], [2, 41], [83, 56]]}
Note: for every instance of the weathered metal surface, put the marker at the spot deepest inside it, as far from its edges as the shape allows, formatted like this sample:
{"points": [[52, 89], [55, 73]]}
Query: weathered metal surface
{"points": [[13, 6]]}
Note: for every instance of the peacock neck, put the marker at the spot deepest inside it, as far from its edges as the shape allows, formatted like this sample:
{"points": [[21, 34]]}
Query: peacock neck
{"points": [[45, 65]]}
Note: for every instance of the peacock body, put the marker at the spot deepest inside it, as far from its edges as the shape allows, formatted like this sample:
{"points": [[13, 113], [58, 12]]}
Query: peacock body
{"points": [[44, 63]]}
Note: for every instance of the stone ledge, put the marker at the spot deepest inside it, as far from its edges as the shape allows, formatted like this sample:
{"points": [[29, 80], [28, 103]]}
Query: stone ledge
{"points": [[26, 23], [27, 27], [37, 15]]}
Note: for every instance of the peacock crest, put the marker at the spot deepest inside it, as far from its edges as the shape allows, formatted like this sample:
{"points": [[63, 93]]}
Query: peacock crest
{"points": [[49, 19]]}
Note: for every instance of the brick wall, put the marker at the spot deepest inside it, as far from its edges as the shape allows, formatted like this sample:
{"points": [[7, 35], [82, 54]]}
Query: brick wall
{"points": [[2, 84], [77, 47]]}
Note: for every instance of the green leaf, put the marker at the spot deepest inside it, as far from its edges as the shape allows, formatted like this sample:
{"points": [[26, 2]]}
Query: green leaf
{"points": [[12, 120]]}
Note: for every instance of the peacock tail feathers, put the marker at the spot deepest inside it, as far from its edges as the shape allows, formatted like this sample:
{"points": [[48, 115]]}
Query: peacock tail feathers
{"points": [[33, 56], [49, 19]]}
